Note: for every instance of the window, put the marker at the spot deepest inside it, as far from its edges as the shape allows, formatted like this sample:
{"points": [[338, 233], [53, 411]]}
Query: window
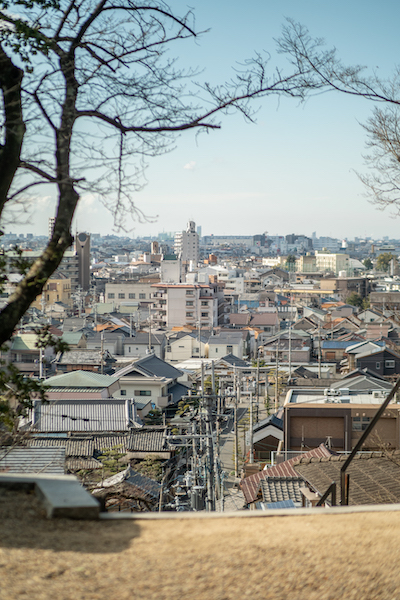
{"points": [[216, 350], [195, 349], [204, 303], [204, 314], [111, 295], [377, 365], [132, 296], [360, 423], [142, 393], [129, 349], [229, 349], [121, 296], [142, 296], [123, 392], [189, 302], [389, 364], [189, 292], [189, 314]]}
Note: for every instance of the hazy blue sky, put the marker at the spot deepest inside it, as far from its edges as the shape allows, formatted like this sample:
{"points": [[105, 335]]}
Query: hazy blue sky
{"points": [[293, 171]]}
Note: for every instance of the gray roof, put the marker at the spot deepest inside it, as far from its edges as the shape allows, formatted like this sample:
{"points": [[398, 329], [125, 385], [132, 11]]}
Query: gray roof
{"points": [[150, 366], [141, 440], [84, 415], [80, 357], [178, 390], [226, 337], [32, 460], [78, 464], [277, 489], [374, 477], [142, 338], [73, 447], [140, 484]]}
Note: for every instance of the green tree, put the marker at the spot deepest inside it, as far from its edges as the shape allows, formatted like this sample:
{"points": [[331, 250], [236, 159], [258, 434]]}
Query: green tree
{"points": [[383, 260], [88, 91], [368, 264], [151, 467], [290, 262], [354, 299]]}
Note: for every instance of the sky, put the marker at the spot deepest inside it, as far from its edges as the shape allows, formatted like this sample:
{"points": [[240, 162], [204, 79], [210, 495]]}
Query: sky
{"points": [[294, 170]]}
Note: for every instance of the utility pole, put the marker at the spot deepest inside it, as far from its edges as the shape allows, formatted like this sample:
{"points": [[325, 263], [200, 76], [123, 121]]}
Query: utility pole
{"points": [[149, 330], [209, 454], [102, 352], [290, 338], [319, 349], [258, 382], [251, 457], [235, 423], [276, 375]]}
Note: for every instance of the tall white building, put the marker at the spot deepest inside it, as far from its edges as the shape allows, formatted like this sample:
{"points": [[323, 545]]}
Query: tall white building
{"points": [[176, 305], [187, 244]]}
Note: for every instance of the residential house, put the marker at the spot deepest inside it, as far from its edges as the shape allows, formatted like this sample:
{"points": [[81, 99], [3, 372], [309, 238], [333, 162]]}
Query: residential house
{"points": [[384, 361], [374, 477], [80, 385], [152, 379], [143, 343], [24, 353], [182, 346], [110, 414], [85, 360], [227, 342], [250, 486], [111, 341]]}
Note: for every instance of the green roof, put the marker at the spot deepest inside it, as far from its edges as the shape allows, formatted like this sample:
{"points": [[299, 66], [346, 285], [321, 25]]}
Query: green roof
{"points": [[24, 341], [72, 337], [82, 379]]}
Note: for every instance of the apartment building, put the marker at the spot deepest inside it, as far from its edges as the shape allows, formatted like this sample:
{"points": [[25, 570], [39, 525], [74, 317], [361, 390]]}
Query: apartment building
{"points": [[187, 244], [57, 289], [128, 292], [196, 304], [326, 261]]}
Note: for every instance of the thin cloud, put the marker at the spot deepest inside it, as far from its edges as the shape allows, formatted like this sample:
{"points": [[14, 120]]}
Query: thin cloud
{"points": [[190, 166]]}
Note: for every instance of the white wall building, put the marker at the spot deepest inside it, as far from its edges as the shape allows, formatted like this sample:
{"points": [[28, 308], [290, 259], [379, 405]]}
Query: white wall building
{"points": [[176, 305], [187, 244]]}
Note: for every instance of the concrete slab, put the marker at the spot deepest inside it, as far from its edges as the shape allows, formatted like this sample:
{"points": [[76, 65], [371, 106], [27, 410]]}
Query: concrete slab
{"points": [[62, 495]]}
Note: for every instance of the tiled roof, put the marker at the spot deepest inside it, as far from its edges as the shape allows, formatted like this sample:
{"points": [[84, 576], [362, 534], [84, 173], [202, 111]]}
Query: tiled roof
{"points": [[140, 485], [250, 485], [146, 441], [73, 447], [239, 318], [84, 415], [151, 366], [374, 477], [276, 489], [142, 440], [81, 379], [78, 464], [264, 319], [83, 357], [32, 460]]}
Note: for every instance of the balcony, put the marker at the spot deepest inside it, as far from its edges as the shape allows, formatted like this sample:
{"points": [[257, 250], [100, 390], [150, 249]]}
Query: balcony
{"points": [[163, 401]]}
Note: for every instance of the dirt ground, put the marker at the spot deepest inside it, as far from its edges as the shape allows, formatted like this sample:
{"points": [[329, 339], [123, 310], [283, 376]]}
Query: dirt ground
{"points": [[289, 558]]}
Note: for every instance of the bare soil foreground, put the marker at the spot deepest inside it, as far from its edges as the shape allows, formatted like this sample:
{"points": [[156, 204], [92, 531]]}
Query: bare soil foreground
{"points": [[289, 558]]}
